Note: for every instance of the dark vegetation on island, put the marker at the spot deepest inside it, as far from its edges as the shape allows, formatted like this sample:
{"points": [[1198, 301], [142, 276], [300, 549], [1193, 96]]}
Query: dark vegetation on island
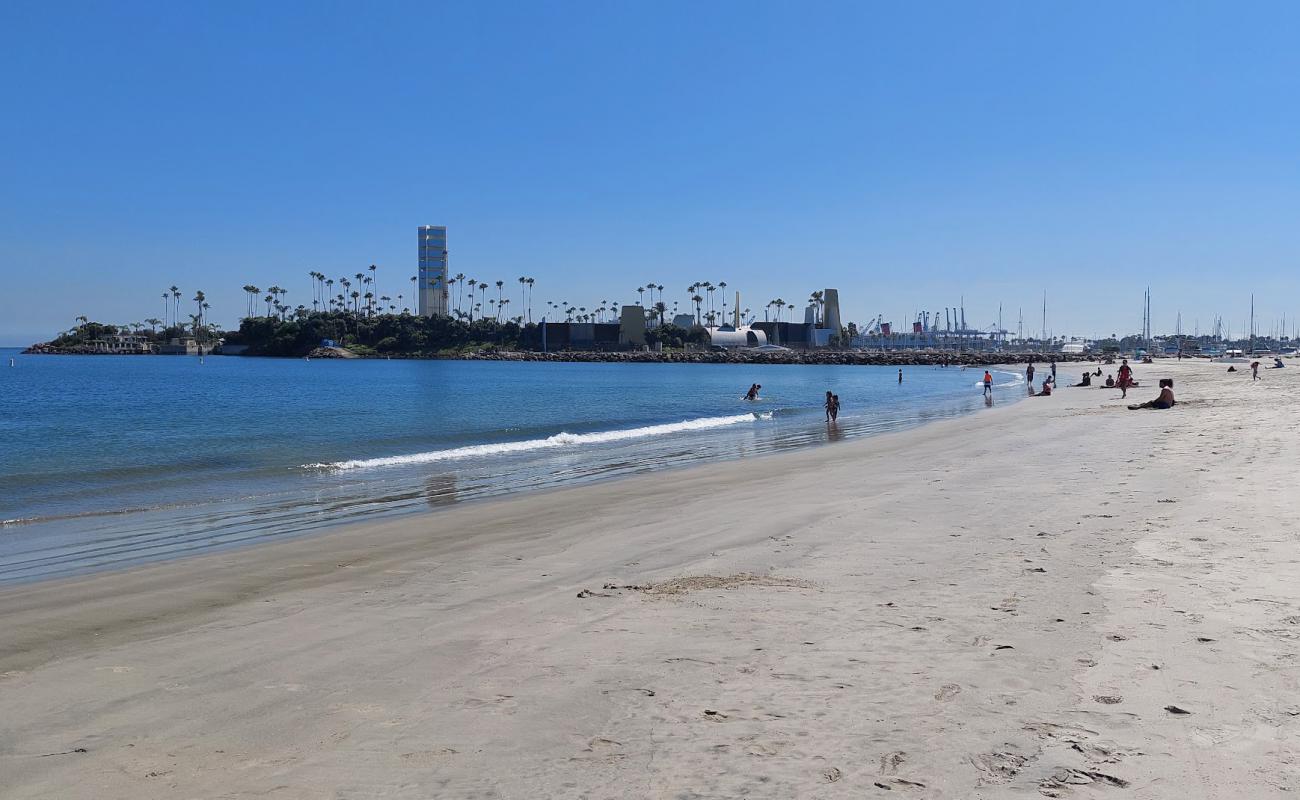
{"points": [[411, 336]]}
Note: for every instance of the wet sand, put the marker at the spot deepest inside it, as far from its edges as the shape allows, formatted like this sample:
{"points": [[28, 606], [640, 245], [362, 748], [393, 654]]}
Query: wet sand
{"points": [[1019, 603]]}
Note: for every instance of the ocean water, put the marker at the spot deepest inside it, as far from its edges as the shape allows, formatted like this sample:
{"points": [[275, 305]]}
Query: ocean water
{"points": [[107, 461]]}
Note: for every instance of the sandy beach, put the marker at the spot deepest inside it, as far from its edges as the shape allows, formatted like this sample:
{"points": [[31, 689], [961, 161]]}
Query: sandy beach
{"points": [[1057, 598]]}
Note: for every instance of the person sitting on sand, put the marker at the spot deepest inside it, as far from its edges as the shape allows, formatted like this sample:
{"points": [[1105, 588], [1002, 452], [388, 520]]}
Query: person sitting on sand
{"points": [[1277, 364], [1231, 368], [1047, 388], [1165, 400], [1097, 374], [1086, 380], [1110, 381]]}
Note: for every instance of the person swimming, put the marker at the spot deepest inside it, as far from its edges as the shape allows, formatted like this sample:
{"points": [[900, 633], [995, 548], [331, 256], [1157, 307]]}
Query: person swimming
{"points": [[752, 394]]}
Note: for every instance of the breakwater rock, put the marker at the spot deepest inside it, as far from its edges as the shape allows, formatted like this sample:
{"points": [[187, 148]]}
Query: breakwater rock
{"points": [[836, 357]]}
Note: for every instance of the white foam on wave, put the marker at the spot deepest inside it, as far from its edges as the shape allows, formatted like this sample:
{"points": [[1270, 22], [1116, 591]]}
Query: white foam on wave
{"points": [[1016, 380], [558, 440]]}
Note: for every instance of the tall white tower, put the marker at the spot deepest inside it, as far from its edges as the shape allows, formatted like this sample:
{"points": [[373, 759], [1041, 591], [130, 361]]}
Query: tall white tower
{"points": [[433, 271]]}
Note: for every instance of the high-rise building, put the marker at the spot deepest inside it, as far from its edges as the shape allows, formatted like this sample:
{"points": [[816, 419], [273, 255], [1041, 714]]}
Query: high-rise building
{"points": [[433, 271]]}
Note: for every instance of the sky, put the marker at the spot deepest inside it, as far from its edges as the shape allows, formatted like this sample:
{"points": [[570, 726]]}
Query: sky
{"points": [[912, 155]]}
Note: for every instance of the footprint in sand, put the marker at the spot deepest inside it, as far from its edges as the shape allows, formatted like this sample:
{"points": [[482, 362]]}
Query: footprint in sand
{"points": [[947, 692]]}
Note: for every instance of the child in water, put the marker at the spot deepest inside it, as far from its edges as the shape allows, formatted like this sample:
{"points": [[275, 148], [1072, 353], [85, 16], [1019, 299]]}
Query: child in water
{"points": [[828, 405], [835, 407]]}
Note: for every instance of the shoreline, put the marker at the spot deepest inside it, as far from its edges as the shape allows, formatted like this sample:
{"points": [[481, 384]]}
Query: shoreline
{"points": [[974, 607]]}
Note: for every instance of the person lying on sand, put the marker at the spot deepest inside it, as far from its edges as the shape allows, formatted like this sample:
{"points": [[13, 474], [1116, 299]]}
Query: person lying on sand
{"points": [[1165, 400]]}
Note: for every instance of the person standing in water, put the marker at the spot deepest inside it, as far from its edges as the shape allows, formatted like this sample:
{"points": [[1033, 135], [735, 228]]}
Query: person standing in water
{"points": [[835, 407], [752, 394], [829, 404], [1053, 371], [988, 383], [900, 376], [1029, 375]]}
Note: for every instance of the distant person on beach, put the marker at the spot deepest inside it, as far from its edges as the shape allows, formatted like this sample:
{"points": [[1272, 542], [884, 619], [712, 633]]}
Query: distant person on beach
{"points": [[1029, 375], [988, 382], [752, 394], [1097, 374], [1231, 368], [1165, 400], [1125, 378], [1110, 381], [835, 407], [1254, 370], [828, 405], [1086, 380], [1047, 388], [1053, 365], [1277, 364]]}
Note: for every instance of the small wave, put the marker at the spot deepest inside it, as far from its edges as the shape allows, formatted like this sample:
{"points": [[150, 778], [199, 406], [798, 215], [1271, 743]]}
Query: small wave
{"points": [[558, 440]]}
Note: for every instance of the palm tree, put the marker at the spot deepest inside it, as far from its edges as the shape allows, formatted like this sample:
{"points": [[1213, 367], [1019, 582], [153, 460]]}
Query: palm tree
{"points": [[640, 290], [500, 284], [501, 308], [374, 278], [153, 324], [523, 289], [167, 302], [696, 299], [530, 299], [660, 310], [722, 287], [415, 289], [176, 302]]}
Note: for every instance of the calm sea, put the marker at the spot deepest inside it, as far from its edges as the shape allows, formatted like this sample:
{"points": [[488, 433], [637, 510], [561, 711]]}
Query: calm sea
{"points": [[112, 460]]}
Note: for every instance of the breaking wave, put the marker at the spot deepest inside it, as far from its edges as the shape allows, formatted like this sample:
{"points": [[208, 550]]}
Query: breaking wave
{"points": [[556, 441]]}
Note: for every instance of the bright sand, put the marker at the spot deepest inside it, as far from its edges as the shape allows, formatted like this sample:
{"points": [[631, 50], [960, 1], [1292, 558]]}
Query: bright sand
{"points": [[1002, 605]]}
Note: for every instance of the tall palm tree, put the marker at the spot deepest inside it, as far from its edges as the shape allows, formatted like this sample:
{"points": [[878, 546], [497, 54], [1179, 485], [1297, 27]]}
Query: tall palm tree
{"points": [[640, 290], [530, 299], [660, 311], [199, 300], [415, 289], [696, 299], [374, 278], [167, 303], [176, 304], [523, 290]]}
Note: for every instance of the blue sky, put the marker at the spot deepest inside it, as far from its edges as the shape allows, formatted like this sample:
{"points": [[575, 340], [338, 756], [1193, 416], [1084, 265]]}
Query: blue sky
{"points": [[909, 154]]}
